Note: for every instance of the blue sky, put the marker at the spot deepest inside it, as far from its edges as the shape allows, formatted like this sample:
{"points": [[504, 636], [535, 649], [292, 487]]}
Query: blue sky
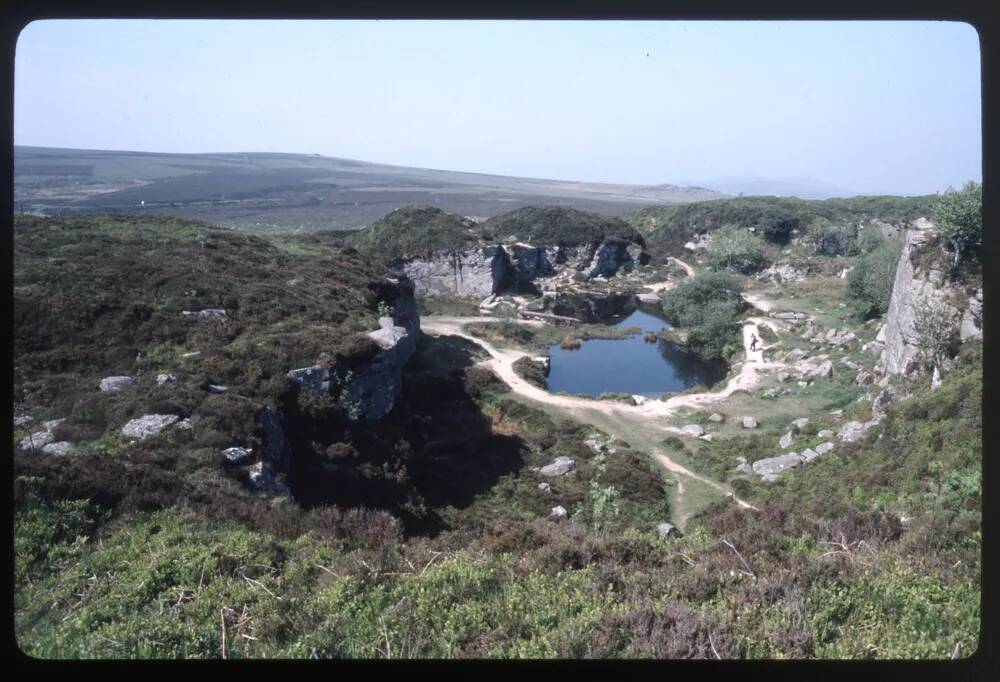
{"points": [[866, 107]]}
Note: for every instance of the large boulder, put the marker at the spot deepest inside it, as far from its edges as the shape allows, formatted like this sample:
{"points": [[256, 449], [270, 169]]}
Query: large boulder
{"points": [[559, 467], [668, 531], [115, 384], [693, 430], [771, 467], [148, 425]]}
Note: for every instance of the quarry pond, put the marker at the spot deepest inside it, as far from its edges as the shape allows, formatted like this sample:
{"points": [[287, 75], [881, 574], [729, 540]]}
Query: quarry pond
{"points": [[630, 365]]}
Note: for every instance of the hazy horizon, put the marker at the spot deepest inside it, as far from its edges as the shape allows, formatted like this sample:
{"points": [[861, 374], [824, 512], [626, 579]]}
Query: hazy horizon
{"points": [[830, 107]]}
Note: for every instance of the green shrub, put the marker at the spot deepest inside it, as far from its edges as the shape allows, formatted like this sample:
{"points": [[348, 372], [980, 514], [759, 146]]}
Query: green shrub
{"points": [[709, 306], [736, 248], [958, 218], [869, 283]]}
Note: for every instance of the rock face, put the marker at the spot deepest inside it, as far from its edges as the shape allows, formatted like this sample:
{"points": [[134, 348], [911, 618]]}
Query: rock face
{"points": [[478, 272], [591, 307], [370, 390], [148, 425], [914, 285], [495, 268]]}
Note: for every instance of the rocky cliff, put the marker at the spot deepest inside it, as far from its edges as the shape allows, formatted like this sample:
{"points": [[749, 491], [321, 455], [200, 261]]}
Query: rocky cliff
{"points": [[368, 390], [920, 281], [498, 268]]}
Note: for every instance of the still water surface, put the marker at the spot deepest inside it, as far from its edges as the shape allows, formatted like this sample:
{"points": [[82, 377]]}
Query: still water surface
{"points": [[630, 365]]}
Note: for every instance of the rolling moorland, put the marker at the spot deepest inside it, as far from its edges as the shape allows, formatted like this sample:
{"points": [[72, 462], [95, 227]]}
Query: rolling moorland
{"points": [[285, 192], [343, 444]]}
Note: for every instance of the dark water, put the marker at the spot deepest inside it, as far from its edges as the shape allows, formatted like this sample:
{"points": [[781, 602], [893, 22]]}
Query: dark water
{"points": [[630, 365]]}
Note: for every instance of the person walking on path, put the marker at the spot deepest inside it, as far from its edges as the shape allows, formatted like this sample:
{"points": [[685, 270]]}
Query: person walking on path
{"points": [[753, 342]]}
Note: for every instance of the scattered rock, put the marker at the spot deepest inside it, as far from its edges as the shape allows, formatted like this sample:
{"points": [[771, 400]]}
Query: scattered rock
{"points": [[60, 448], [558, 512], [693, 430], [854, 431], [237, 455], [824, 448], [192, 354], [639, 399], [559, 467], [786, 441], [821, 370], [148, 425], [22, 420], [215, 388], [115, 384], [706, 437], [184, 424], [668, 531], [205, 314], [545, 487], [749, 423], [796, 354], [49, 425], [36, 441], [716, 418], [783, 377], [825, 433], [936, 378], [809, 454], [165, 379], [788, 315], [799, 424]]}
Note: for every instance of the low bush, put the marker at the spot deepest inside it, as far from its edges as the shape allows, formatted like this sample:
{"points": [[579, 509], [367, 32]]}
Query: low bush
{"points": [[735, 248]]}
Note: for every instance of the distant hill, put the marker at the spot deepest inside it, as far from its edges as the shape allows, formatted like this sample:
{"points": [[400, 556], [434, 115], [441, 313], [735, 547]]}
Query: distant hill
{"points": [[801, 188], [294, 192]]}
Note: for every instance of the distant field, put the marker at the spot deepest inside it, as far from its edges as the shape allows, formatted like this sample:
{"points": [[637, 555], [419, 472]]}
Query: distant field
{"points": [[292, 192]]}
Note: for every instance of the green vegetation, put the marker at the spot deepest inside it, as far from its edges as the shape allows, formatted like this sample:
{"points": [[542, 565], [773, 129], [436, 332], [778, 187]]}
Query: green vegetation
{"points": [[958, 218], [735, 248], [532, 372], [431, 537], [869, 283], [415, 231], [558, 225], [667, 228], [709, 307]]}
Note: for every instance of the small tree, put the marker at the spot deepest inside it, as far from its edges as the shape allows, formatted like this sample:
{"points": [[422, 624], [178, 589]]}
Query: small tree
{"points": [[870, 281], [958, 218], [936, 325]]}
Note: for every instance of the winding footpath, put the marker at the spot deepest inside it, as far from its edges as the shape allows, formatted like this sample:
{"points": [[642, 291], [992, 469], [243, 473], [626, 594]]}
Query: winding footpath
{"points": [[620, 419]]}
